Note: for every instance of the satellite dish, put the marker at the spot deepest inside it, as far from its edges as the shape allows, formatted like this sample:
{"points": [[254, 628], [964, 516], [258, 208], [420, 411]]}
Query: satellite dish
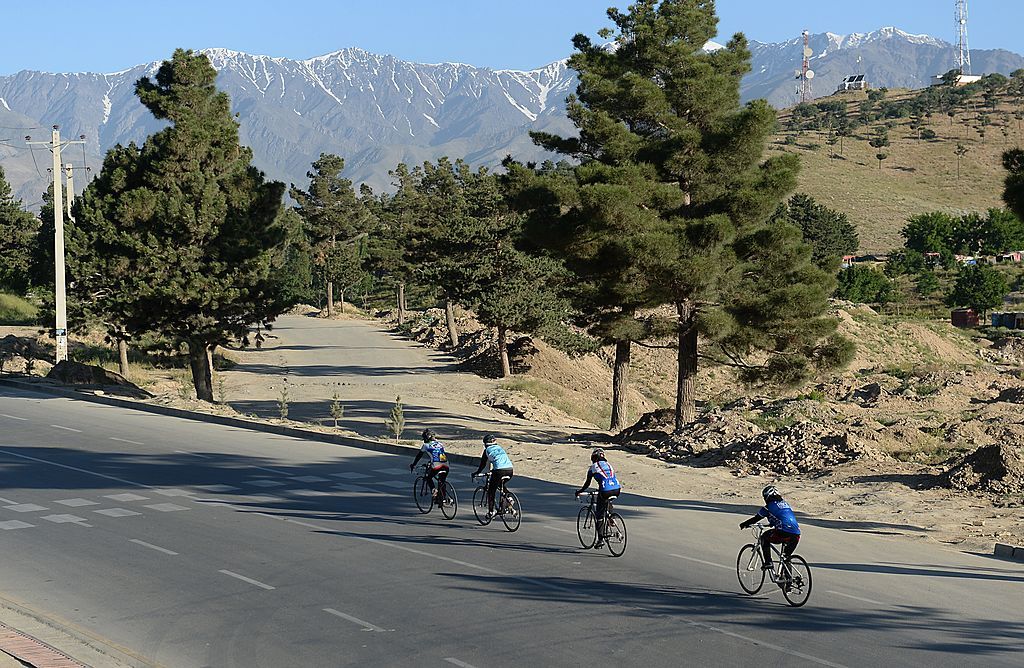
{"points": [[808, 52], [810, 74]]}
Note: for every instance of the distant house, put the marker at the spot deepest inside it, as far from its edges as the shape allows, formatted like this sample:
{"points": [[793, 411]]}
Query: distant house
{"points": [[853, 82], [966, 259], [848, 261], [961, 79], [1012, 256], [933, 258], [964, 318]]}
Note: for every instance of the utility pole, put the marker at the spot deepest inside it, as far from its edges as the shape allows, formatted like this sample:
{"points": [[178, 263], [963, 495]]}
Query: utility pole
{"points": [[60, 286]]}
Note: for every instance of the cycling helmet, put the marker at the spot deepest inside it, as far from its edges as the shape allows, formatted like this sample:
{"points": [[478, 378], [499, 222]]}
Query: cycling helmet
{"points": [[490, 439], [769, 492], [597, 454], [429, 435]]}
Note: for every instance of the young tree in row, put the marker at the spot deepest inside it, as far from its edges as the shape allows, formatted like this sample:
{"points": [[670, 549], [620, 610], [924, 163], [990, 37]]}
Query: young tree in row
{"points": [[830, 233], [979, 287], [186, 224], [336, 218], [18, 230], [660, 106]]}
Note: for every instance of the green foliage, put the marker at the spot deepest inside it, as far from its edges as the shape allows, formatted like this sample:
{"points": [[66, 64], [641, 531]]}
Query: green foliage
{"points": [[927, 283], [337, 409], [1013, 190], [979, 287], [864, 285], [41, 268], [16, 311], [18, 230], [995, 232], [292, 262], [395, 421], [829, 233]]}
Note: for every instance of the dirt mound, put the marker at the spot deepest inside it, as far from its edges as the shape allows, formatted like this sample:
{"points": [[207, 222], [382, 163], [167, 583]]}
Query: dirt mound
{"points": [[24, 355], [653, 426], [526, 407], [801, 448], [996, 468], [86, 375]]}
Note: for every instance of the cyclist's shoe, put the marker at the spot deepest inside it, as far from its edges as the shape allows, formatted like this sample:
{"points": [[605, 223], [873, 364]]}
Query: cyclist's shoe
{"points": [[599, 544], [767, 566], [489, 516]]}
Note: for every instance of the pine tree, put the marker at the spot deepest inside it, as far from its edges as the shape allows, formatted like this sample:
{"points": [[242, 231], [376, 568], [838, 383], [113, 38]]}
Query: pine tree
{"points": [[335, 217], [662, 109], [190, 224], [18, 234], [830, 233], [397, 215]]}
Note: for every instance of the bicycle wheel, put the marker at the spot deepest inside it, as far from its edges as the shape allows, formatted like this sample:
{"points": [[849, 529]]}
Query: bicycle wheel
{"points": [[748, 569], [511, 512], [586, 527], [798, 589], [448, 500], [615, 528], [421, 494], [480, 505]]}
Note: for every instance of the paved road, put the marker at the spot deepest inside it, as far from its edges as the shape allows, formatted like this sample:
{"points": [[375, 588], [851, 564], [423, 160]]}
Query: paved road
{"points": [[202, 545]]}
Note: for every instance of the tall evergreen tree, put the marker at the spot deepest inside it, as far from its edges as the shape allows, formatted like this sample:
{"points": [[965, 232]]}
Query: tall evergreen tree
{"points": [[335, 217], [397, 216], [830, 233], [18, 230], [662, 108], [190, 224]]}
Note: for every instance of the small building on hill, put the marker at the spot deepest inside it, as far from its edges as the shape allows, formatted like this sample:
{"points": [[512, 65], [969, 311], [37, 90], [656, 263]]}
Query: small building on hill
{"points": [[961, 79], [964, 318], [853, 82]]}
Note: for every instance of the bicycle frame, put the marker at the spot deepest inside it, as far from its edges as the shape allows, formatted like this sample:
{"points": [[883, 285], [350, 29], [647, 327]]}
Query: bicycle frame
{"points": [[778, 562]]}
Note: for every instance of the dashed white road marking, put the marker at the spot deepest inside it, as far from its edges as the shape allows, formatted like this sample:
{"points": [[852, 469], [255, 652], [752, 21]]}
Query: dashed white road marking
{"points": [[856, 598], [57, 426], [8, 501], [461, 664], [259, 584], [350, 475], [310, 492], [76, 503], [367, 626], [66, 519], [173, 492], [125, 497], [125, 440], [15, 524], [116, 512], [217, 488], [701, 561], [166, 507], [153, 547], [26, 507], [14, 417], [554, 528]]}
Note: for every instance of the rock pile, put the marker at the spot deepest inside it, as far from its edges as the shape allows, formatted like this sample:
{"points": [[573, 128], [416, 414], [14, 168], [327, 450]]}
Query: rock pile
{"points": [[996, 468], [800, 448], [75, 373]]}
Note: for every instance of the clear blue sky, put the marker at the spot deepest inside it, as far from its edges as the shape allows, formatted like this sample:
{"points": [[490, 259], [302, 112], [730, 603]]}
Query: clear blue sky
{"points": [[110, 35]]}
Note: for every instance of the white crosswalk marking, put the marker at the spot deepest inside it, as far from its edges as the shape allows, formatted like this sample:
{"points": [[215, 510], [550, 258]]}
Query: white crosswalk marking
{"points": [[125, 497], [76, 503], [350, 475], [15, 524], [65, 519], [355, 488], [309, 478], [26, 508], [217, 488], [116, 512], [173, 492], [166, 507]]}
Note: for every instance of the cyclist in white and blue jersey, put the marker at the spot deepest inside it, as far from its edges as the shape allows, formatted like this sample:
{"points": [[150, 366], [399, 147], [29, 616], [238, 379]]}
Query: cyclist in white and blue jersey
{"points": [[436, 457], [608, 487], [501, 466]]}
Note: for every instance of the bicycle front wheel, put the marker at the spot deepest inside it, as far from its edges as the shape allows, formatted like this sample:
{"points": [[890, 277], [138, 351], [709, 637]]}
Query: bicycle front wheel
{"points": [[615, 528], [511, 512], [586, 527], [421, 494], [448, 500], [798, 589], [748, 569], [480, 505]]}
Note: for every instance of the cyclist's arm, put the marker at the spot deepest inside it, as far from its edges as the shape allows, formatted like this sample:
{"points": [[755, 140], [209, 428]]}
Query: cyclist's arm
{"points": [[416, 461], [753, 520], [590, 476], [483, 463]]}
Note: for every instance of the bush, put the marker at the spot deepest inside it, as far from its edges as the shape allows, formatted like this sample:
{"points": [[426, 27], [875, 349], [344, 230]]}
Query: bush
{"points": [[864, 285]]}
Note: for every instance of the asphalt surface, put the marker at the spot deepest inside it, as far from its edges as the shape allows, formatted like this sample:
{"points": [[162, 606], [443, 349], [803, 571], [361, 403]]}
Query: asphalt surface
{"points": [[200, 545]]}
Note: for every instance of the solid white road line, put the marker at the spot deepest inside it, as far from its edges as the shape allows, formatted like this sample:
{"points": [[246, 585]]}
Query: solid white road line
{"points": [[8, 501], [153, 547], [461, 664], [75, 468], [245, 579], [125, 440], [701, 561], [367, 626], [856, 598], [57, 426], [13, 417]]}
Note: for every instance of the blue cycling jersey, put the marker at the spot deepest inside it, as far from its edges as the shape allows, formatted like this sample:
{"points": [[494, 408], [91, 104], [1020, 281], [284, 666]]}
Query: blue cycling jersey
{"points": [[497, 456], [780, 516], [436, 452], [604, 474]]}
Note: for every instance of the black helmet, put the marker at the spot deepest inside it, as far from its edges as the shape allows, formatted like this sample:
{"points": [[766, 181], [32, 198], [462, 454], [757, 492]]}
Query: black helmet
{"points": [[429, 435], [490, 439], [597, 455], [770, 492]]}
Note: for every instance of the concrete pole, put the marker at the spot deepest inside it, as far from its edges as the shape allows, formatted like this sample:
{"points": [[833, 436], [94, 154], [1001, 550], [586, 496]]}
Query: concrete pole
{"points": [[61, 298]]}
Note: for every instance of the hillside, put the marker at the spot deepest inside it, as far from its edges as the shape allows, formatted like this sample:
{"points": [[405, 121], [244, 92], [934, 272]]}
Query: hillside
{"points": [[919, 175]]}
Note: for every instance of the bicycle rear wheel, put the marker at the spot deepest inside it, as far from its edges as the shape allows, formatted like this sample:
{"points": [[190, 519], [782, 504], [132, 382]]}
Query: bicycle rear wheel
{"points": [[421, 494], [615, 528], [748, 569], [480, 505], [586, 527], [448, 500], [511, 512], [798, 589]]}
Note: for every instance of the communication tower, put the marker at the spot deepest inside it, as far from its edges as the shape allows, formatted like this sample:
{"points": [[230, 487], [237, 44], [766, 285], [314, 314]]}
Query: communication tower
{"points": [[805, 74], [963, 56]]}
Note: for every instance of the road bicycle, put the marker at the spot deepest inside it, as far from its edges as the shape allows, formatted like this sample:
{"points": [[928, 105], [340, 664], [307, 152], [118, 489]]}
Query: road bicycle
{"points": [[506, 504], [447, 500], [614, 526], [793, 575]]}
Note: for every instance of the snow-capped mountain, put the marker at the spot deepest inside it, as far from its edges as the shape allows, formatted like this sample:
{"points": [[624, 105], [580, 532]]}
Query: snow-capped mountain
{"points": [[377, 110]]}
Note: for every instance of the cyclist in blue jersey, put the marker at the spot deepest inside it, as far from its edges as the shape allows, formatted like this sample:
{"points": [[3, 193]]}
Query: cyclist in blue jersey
{"points": [[501, 466], [437, 458], [608, 487], [785, 529]]}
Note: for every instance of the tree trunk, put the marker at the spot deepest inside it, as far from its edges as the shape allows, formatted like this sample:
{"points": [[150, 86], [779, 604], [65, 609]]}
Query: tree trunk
{"points": [[506, 368], [401, 303], [330, 299], [202, 374], [620, 384], [342, 302], [453, 329], [686, 375], [122, 356]]}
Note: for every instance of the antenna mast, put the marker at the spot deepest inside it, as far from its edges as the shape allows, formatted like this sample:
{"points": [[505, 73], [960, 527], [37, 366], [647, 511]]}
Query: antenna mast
{"points": [[805, 73], [963, 57]]}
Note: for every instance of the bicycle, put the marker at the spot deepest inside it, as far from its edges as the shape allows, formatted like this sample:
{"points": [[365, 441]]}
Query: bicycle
{"points": [[447, 499], [506, 504], [614, 526], [793, 575]]}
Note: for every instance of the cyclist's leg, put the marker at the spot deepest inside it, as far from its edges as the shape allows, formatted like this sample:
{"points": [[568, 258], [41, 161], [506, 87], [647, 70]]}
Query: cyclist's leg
{"points": [[767, 538], [789, 544], [602, 507], [431, 472], [442, 474], [492, 487]]}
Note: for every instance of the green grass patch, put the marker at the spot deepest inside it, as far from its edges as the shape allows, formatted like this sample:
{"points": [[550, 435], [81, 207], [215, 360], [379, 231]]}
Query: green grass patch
{"points": [[594, 411], [16, 310]]}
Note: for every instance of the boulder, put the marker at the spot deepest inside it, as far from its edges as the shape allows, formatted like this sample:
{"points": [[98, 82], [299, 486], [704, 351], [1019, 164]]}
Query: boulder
{"points": [[997, 468], [87, 375]]}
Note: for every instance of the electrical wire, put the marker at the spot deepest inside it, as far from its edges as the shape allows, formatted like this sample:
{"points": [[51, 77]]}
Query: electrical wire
{"points": [[4, 127], [32, 152]]}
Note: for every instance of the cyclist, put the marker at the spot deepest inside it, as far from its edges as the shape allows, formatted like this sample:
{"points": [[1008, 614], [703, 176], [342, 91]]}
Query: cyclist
{"points": [[501, 466], [608, 487], [438, 460], [785, 529]]}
